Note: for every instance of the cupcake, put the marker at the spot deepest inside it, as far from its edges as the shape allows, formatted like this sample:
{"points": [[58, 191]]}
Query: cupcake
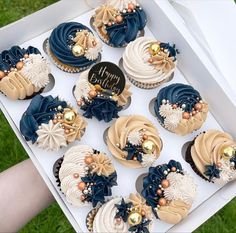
{"points": [[86, 176], [180, 109], [169, 191], [23, 72], [134, 141], [101, 97], [73, 47], [212, 155], [130, 214], [119, 21], [51, 123], [149, 63]]}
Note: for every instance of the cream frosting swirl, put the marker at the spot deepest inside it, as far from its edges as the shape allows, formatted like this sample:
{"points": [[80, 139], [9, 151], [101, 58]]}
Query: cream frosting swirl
{"points": [[71, 171], [104, 220], [119, 132], [78, 164], [207, 150], [137, 66]]}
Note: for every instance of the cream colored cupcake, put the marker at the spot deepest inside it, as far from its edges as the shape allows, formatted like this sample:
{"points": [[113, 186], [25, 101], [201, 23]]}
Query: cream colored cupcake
{"points": [[212, 155], [122, 215], [149, 63], [134, 141], [86, 176]]}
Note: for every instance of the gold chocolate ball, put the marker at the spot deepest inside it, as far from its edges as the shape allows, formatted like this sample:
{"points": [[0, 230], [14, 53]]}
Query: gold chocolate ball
{"points": [[228, 152], [148, 147], [78, 50], [134, 218], [154, 49], [69, 117]]}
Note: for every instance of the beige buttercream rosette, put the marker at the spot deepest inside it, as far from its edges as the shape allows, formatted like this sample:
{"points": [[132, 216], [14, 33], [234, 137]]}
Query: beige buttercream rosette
{"points": [[135, 132], [217, 150]]}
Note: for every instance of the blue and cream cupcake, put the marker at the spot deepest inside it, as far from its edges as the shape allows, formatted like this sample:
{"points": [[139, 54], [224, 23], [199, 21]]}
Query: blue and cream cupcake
{"points": [[119, 22], [180, 108], [23, 72], [86, 176], [130, 214], [169, 191], [51, 123], [73, 47]]}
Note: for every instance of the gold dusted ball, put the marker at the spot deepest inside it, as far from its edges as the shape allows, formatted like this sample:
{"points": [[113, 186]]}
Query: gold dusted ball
{"points": [[135, 218], [148, 147], [69, 117], [78, 50], [154, 48], [228, 152]]}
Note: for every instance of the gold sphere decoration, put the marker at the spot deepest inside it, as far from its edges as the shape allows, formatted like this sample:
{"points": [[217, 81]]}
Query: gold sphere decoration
{"points": [[69, 117], [228, 152], [78, 50], [154, 48], [148, 147], [134, 218]]}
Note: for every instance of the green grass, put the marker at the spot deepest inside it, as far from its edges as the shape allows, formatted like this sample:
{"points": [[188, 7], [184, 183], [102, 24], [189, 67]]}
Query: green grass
{"points": [[52, 219]]}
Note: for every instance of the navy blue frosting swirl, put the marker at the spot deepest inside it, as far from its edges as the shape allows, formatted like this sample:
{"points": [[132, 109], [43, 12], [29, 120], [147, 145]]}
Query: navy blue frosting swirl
{"points": [[59, 43], [152, 181], [9, 58], [102, 108], [121, 34], [179, 94], [101, 187], [41, 110]]}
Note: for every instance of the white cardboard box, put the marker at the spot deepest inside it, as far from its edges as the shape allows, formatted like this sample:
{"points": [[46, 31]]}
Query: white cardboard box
{"points": [[193, 67]]}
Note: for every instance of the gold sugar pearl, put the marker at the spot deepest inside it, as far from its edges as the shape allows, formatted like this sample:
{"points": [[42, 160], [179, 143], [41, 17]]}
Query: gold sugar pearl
{"points": [[69, 117], [228, 152], [78, 50], [148, 146], [154, 48], [134, 218]]}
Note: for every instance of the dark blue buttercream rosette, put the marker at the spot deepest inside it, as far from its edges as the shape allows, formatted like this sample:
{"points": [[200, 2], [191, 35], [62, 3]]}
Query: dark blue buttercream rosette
{"points": [[41, 110]]}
